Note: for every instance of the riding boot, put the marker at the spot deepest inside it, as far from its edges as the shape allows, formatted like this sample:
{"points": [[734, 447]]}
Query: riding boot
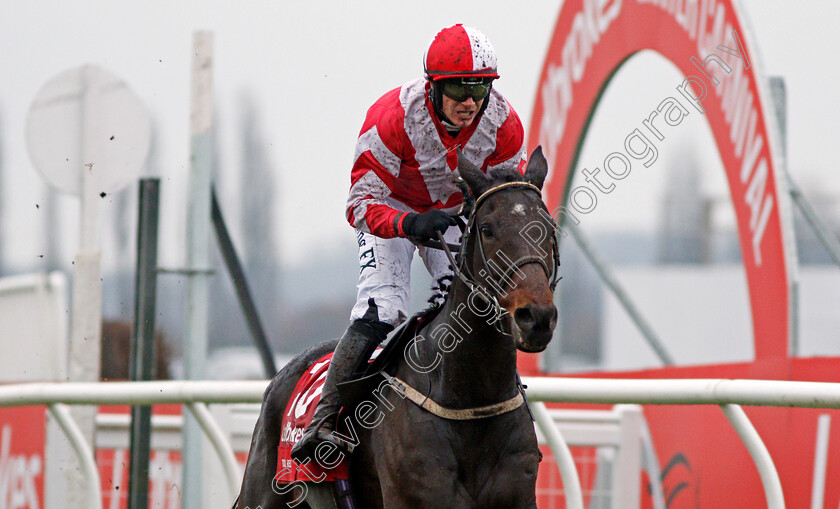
{"points": [[353, 352]]}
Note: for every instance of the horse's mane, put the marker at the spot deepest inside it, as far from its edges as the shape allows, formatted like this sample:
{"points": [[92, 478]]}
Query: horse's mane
{"points": [[504, 175]]}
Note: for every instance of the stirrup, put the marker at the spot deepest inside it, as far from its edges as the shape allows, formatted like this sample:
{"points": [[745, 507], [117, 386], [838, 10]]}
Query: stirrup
{"points": [[304, 449]]}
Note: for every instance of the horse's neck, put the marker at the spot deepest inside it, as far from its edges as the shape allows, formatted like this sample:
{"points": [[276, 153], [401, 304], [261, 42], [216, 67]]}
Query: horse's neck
{"points": [[481, 369]]}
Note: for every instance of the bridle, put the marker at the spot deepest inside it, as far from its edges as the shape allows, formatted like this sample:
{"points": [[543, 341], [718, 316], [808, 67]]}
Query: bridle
{"points": [[550, 273], [461, 271], [459, 265]]}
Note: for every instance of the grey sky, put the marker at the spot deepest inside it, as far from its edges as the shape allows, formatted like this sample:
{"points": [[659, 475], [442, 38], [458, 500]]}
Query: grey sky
{"points": [[315, 67]]}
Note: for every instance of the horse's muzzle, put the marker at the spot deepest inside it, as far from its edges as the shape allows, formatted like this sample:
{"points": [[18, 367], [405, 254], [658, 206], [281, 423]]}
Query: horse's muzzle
{"points": [[535, 326]]}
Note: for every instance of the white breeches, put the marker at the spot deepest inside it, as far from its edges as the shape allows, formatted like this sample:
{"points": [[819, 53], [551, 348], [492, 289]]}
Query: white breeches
{"points": [[385, 274]]}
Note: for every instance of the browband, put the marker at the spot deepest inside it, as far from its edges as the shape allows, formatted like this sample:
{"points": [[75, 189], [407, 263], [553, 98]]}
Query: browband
{"points": [[500, 187]]}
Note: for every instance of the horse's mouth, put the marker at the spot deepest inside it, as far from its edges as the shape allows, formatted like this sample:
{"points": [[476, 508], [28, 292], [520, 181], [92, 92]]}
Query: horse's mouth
{"points": [[528, 343], [532, 327]]}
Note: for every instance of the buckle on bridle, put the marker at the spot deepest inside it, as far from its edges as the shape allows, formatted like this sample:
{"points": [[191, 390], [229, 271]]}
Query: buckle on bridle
{"points": [[394, 383]]}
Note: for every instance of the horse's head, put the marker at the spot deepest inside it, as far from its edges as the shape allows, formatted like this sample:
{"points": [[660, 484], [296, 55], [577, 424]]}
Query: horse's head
{"points": [[511, 250]]}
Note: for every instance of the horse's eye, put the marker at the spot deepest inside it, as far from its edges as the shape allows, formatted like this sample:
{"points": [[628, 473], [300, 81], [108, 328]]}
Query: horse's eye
{"points": [[486, 230]]}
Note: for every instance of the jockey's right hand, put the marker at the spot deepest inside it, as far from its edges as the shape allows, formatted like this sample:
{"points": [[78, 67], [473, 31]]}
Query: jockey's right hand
{"points": [[426, 224]]}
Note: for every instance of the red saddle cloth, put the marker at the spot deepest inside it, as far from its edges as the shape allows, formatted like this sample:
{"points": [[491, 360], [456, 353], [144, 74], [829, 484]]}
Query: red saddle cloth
{"points": [[296, 417]]}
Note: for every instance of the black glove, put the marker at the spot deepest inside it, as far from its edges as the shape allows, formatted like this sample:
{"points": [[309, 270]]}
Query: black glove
{"points": [[426, 224]]}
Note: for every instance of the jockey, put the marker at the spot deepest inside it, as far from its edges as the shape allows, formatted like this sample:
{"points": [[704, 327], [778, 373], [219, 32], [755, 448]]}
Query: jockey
{"points": [[403, 185]]}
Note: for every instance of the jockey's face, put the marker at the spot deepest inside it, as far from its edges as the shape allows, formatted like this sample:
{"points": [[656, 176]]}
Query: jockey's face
{"points": [[461, 114]]}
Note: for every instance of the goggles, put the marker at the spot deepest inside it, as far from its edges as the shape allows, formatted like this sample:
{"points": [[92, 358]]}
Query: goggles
{"points": [[460, 89]]}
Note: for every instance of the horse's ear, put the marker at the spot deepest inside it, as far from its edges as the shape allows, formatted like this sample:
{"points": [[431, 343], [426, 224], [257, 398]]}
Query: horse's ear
{"points": [[472, 175], [537, 168]]}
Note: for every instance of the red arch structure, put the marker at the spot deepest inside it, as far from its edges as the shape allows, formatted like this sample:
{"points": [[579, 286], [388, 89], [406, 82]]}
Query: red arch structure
{"points": [[708, 41], [593, 39]]}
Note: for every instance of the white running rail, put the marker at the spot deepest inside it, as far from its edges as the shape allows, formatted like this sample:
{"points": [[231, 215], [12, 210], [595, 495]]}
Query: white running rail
{"points": [[728, 394], [196, 394]]}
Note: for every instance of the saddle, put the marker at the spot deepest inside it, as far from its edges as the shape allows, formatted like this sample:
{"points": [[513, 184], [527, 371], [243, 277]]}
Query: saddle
{"points": [[307, 392], [354, 391]]}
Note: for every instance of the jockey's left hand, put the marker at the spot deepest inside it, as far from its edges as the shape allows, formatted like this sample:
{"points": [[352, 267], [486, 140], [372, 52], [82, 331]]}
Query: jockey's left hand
{"points": [[425, 225]]}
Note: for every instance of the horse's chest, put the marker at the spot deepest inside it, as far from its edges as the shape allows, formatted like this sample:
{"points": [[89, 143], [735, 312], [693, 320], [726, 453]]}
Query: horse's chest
{"points": [[464, 465], [508, 482]]}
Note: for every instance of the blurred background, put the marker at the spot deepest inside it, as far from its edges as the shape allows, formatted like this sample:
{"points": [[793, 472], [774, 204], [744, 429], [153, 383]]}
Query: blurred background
{"points": [[293, 81]]}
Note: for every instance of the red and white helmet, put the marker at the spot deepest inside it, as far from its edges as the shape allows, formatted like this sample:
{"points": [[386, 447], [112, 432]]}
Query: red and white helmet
{"points": [[460, 52]]}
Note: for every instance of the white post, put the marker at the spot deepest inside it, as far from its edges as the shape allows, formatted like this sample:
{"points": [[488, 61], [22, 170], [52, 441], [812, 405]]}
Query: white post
{"points": [[628, 461], [759, 453], [562, 455], [112, 133], [198, 251], [90, 485], [86, 319], [820, 461]]}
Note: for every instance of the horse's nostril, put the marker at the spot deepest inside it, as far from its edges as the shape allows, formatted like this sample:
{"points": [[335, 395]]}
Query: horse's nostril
{"points": [[532, 317], [524, 317]]}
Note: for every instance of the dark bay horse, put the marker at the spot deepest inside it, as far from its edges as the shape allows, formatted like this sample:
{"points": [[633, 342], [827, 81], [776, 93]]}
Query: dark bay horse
{"points": [[448, 427]]}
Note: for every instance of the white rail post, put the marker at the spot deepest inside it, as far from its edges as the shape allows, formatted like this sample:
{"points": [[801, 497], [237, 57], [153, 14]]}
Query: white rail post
{"points": [[651, 464], [84, 454], [198, 251], [88, 135], [627, 463], [760, 455], [562, 455], [220, 444], [86, 317], [820, 461]]}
